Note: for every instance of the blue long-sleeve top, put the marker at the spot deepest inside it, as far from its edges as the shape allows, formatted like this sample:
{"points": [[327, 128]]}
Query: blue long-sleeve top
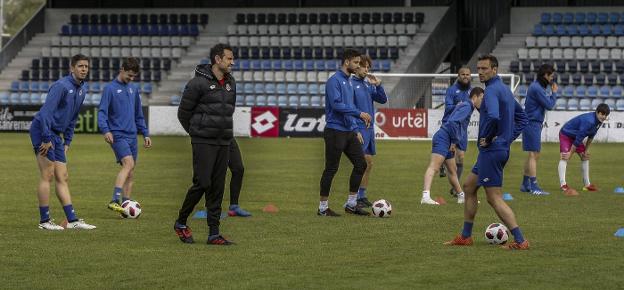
{"points": [[59, 113], [581, 126], [458, 120], [120, 110], [365, 95], [538, 100], [340, 111], [501, 116], [455, 94]]}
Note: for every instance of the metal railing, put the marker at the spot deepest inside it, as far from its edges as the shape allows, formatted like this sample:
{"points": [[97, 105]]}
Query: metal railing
{"points": [[34, 25]]}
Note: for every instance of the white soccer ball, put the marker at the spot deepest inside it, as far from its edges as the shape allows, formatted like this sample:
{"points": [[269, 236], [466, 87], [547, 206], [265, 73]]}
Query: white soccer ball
{"points": [[382, 208], [496, 234], [131, 209]]}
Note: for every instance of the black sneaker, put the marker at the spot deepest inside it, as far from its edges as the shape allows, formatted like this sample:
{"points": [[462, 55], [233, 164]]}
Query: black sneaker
{"points": [[327, 212], [453, 193], [356, 210], [442, 171], [363, 202], [184, 233], [219, 241]]}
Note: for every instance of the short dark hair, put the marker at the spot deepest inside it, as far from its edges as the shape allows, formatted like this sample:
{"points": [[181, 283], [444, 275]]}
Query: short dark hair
{"points": [[76, 58], [365, 58], [463, 67], [475, 92], [218, 49], [130, 64], [491, 58], [349, 54], [603, 108], [545, 69]]}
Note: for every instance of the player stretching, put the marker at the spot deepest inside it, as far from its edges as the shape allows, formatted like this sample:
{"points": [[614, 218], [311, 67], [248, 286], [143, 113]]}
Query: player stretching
{"points": [[368, 89], [57, 117], [538, 100], [119, 118], [501, 121], [447, 141], [571, 139]]}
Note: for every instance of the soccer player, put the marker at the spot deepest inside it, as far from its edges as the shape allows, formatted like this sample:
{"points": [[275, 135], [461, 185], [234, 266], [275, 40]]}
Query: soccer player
{"points": [[368, 89], [57, 117], [341, 135], [205, 113], [571, 138], [447, 141], [236, 182], [538, 100], [501, 121], [455, 94], [120, 117]]}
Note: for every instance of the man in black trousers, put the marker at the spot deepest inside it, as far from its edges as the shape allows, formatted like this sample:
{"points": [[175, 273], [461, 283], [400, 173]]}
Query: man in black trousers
{"points": [[205, 112], [236, 183]]}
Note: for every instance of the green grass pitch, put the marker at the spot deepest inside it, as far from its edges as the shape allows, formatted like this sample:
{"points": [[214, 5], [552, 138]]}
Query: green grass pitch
{"points": [[572, 241]]}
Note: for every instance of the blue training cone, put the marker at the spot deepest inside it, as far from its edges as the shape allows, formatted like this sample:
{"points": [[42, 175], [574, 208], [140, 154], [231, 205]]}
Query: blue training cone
{"points": [[507, 196], [620, 233], [619, 190], [200, 214]]}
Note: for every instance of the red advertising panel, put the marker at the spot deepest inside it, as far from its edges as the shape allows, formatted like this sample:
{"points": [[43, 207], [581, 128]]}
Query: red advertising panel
{"points": [[265, 122], [393, 123]]}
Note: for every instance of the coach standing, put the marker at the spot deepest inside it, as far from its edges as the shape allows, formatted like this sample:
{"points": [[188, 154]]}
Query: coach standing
{"points": [[205, 112], [341, 135]]}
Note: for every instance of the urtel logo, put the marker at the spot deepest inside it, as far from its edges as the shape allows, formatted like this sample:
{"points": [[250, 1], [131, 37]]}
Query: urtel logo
{"points": [[264, 122], [408, 120]]}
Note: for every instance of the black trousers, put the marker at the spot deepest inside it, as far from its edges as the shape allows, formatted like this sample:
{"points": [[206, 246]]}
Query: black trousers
{"points": [[236, 167], [336, 143], [209, 169]]}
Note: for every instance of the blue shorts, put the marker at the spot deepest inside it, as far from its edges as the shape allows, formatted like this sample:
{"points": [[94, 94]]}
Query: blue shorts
{"points": [[369, 141], [532, 137], [57, 152], [490, 166], [124, 146], [440, 144]]}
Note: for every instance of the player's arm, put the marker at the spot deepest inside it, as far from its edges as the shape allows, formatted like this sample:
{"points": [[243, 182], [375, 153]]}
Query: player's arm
{"points": [[46, 113], [492, 117], [334, 94], [378, 94], [449, 102], [546, 101], [190, 99], [68, 135], [103, 114], [454, 122], [521, 120], [139, 120]]}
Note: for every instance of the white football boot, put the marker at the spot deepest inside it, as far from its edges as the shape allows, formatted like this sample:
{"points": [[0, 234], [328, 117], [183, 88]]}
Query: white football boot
{"points": [[428, 201], [80, 225], [51, 226]]}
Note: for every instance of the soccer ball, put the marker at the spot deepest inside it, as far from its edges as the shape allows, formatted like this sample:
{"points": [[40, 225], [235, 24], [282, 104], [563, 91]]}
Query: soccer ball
{"points": [[382, 208], [131, 209], [496, 234]]}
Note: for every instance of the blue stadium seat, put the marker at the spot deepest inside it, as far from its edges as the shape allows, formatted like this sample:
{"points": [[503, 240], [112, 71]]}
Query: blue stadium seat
{"points": [[385, 65], [280, 89], [175, 100], [95, 87], [95, 99], [568, 91], [248, 88], [591, 18], [258, 88], [538, 30], [288, 64], [302, 89], [579, 18], [581, 91], [291, 89], [87, 100], [595, 30], [244, 64], [298, 65], [266, 65], [240, 100], [250, 100], [561, 104], [269, 88], [592, 91], [293, 101], [4, 98], [610, 103], [584, 105], [261, 100], [319, 65], [603, 18], [583, 30], [276, 64], [313, 89], [331, 65], [15, 86], [315, 101], [619, 105], [14, 98], [595, 103], [557, 18], [548, 30], [573, 104], [545, 18], [282, 101], [255, 64], [24, 86], [308, 65], [271, 101], [605, 91], [304, 101], [568, 18], [617, 92], [24, 99], [614, 17]]}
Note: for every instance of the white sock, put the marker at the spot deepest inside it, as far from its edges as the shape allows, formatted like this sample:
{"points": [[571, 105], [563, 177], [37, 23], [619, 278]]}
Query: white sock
{"points": [[426, 194], [562, 171], [461, 194], [352, 200], [323, 205], [585, 170]]}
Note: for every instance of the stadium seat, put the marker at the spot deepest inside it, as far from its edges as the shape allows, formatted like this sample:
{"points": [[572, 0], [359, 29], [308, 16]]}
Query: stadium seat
{"points": [[584, 105], [561, 104], [610, 103], [4, 98], [282, 101], [619, 105], [573, 104], [293, 101]]}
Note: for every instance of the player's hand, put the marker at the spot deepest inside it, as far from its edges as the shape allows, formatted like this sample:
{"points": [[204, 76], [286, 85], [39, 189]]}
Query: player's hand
{"points": [[366, 118], [108, 137], [147, 142], [585, 156], [452, 148], [66, 148], [373, 80], [554, 87], [360, 138], [483, 143], [44, 148]]}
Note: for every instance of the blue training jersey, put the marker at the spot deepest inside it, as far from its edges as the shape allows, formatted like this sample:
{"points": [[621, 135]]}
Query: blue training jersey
{"points": [[455, 94], [120, 110], [581, 126], [59, 113], [458, 121], [365, 95], [501, 116], [538, 100], [340, 111]]}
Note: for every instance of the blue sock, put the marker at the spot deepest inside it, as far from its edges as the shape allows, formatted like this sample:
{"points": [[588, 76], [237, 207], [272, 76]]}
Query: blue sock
{"points": [[124, 199], [233, 206], [517, 233], [69, 213], [467, 231], [361, 192], [525, 181], [44, 212], [533, 179], [116, 193]]}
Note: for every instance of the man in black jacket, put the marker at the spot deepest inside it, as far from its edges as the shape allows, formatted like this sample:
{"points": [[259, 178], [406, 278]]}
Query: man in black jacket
{"points": [[205, 112]]}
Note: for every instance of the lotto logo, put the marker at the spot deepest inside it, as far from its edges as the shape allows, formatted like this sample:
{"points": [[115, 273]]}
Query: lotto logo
{"points": [[264, 122]]}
